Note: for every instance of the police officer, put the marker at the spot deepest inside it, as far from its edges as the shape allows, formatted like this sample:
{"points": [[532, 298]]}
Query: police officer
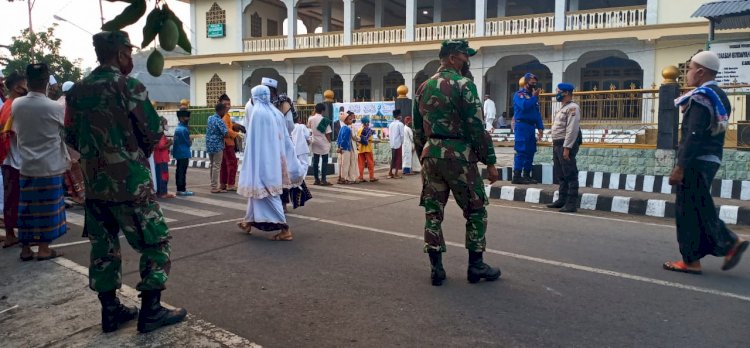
{"points": [[450, 136], [112, 123], [566, 139], [527, 119]]}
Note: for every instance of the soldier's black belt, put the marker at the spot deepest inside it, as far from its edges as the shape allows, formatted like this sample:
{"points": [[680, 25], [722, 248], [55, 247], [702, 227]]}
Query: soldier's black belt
{"points": [[445, 137]]}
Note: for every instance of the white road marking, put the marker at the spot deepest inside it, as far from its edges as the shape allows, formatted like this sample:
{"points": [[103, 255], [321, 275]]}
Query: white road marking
{"points": [[9, 309], [202, 327], [364, 192], [62, 245], [187, 210], [78, 219], [545, 261]]}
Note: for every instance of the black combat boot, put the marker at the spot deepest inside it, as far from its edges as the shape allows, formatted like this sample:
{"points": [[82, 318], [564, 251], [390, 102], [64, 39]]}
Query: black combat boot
{"points": [[518, 179], [559, 203], [114, 313], [571, 205], [529, 180], [478, 269], [154, 316], [437, 273]]}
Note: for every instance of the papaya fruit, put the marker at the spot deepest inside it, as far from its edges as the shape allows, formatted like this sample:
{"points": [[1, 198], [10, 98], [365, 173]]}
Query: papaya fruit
{"points": [[168, 35], [129, 15], [155, 63], [183, 41], [152, 27]]}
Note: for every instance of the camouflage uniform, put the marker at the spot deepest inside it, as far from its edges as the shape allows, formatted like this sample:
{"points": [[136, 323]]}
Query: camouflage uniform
{"points": [[449, 133], [111, 122]]}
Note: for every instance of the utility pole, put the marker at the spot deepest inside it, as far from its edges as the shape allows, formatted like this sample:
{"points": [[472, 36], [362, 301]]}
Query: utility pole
{"points": [[101, 11]]}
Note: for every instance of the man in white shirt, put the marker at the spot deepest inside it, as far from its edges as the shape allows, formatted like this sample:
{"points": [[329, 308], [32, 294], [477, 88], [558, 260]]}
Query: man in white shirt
{"points": [[38, 124], [490, 113], [321, 143], [396, 140]]}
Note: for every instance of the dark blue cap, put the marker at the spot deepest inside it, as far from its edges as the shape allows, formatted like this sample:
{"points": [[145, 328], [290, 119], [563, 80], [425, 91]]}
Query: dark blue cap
{"points": [[565, 87]]}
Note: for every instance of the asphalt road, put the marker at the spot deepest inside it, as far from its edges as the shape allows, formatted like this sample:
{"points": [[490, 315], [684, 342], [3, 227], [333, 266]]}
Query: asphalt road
{"points": [[355, 275]]}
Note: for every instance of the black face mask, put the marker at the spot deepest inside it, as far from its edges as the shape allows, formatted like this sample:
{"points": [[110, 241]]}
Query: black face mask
{"points": [[466, 71], [531, 87]]}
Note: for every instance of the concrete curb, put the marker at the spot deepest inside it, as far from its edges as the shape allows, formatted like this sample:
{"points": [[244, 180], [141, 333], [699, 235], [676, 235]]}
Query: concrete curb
{"points": [[730, 214], [543, 173]]}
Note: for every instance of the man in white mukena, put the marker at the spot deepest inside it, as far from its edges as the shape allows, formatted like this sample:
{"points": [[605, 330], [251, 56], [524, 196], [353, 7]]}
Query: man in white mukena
{"points": [[566, 139], [490, 113]]}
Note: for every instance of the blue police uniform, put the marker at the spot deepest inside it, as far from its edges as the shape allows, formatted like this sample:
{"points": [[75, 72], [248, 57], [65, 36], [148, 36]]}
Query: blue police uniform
{"points": [[528, 119]]}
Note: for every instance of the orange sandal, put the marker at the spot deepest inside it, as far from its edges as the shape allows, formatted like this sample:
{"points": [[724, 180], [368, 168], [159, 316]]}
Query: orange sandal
{"points": [[680, 266]]}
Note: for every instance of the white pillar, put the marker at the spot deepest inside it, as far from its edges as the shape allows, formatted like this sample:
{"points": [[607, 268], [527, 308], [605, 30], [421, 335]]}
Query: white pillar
{"points": [[480, 17], [326, 14], [501, 5], [291, 23], [437, 13], [411, 19], [478, 80], [573, 6], [652, 13], [559, 15], [378, 13], [348, 22], [557, 68], [291, 82]]}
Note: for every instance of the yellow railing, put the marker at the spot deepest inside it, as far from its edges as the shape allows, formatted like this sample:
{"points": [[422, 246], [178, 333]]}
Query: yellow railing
{"points": [[323, 40]]}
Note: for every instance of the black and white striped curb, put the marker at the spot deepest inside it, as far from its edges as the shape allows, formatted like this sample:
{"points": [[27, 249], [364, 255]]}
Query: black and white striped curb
{"points": [[730, 189], [731, 214]]}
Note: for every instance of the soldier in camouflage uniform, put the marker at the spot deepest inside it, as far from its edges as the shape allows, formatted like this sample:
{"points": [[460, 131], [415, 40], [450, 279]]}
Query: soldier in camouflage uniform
{"points": [[111, 122], [449, 134]]}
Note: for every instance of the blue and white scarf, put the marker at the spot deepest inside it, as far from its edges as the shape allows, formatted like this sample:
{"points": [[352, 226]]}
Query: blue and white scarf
{"points": [[707, 97]]}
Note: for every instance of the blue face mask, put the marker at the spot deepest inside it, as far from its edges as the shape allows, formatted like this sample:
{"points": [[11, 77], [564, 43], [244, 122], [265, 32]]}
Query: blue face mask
{"points": [[559, 97]]}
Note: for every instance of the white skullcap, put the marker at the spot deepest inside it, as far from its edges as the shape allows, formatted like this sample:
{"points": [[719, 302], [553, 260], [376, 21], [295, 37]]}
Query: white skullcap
{"points": [[67, 85], [708, 60], [266, 81], [52, 80]]}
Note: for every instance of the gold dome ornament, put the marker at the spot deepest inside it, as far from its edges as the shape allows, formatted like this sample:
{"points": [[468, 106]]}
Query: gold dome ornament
{"points": [[402, 91], [670, 74], [328, 95], [521, 82], [184, 103]]}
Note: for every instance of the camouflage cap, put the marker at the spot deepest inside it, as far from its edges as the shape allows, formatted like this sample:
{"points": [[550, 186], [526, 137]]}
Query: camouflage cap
{"points": [[452, 46], [112, 39]]}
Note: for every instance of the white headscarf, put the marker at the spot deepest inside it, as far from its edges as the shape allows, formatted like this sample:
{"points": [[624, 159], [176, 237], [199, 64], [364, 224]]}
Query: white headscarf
{"points": [[269, 163]]}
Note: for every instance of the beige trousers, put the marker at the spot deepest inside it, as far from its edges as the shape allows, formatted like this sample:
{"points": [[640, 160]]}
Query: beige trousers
{"points": [[215, 168]]}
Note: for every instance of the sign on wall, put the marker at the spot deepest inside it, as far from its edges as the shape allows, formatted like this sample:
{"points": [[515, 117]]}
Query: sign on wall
{"points": [[735, 62], [380, 114], [216, 30]]}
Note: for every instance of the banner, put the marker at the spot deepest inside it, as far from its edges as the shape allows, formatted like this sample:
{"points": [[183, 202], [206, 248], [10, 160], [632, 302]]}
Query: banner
{"points": [[735, 62], [380, 114]]}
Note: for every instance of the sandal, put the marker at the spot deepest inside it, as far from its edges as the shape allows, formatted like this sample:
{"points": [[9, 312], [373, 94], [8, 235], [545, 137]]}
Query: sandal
{"points": [[277, 237], [53, 255], [27, 258], [733, 256], [245, 227], [373, 179], [680, 266]]}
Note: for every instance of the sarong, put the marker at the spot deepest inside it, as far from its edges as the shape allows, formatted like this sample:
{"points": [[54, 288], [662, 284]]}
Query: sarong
{"points": [[396, 158], [41, 209]]}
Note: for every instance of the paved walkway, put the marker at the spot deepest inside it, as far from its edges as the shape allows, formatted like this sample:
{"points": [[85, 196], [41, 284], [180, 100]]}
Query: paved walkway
{"points": [[49, 304]]}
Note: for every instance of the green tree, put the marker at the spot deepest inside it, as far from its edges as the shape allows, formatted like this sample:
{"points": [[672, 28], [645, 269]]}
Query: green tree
{"points": [[40, 47]]}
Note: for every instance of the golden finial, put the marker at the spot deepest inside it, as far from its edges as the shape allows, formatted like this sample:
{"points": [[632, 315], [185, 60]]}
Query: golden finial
{"points": [[402, 91], [670, 74], [328, 95], [184, 103]]}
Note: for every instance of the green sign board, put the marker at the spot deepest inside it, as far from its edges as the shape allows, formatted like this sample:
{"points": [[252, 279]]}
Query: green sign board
{"points": [[216, 30]]}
